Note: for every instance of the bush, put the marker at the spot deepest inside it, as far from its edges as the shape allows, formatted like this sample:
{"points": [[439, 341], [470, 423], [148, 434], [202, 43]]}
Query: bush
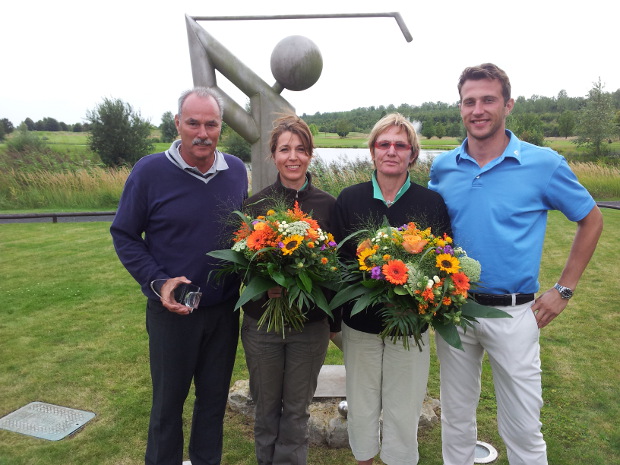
{"points": [[117, 134]]}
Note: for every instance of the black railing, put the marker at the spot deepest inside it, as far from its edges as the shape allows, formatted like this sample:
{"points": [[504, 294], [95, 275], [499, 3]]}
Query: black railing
{"points": [[54, 217]]}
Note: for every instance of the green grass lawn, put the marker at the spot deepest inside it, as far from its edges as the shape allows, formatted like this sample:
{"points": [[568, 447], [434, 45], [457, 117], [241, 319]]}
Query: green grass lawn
{"points": [[72, 334]]}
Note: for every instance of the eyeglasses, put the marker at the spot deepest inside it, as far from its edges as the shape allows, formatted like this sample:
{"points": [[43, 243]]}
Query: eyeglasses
{"points": [[398, 146]]}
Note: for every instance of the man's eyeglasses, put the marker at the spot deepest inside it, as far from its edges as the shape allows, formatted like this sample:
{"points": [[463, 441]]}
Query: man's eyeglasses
{"points": [[398, 146]]}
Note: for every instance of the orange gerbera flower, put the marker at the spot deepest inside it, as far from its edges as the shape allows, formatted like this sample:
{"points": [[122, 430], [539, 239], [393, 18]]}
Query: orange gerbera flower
{"points": [[256, 240], [395, 272], [461, 281]]}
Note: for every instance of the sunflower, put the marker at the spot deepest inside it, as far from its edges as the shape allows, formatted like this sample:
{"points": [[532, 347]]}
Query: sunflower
{"points": [[395, 271], [363, 256], [447, 263], [290, 244]]}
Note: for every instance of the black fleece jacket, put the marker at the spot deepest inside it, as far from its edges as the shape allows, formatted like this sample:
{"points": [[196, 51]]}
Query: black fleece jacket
{"points": [[313, 201], [357, 209]]}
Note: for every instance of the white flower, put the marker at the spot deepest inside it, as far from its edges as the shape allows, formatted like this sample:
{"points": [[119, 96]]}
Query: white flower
{"points": [[240, 246]]}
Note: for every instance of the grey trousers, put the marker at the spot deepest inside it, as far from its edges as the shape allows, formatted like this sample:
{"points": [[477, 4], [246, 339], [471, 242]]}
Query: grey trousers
{"points": [[283, 378]]}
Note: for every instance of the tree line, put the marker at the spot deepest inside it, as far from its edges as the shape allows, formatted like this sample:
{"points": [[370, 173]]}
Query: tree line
{"points": [[593, 118], [120, 136]]}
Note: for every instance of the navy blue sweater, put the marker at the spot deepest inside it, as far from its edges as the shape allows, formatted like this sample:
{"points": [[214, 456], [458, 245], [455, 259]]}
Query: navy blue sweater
{"points": [[167, 220]]}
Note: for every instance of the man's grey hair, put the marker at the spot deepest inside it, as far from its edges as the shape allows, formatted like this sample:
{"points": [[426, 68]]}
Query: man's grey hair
{"points": [[202, 92]]}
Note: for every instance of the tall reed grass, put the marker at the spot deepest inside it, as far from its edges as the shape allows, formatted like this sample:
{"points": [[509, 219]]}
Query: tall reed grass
{"points": [[99, 188], [92, 189], [602, 181]]}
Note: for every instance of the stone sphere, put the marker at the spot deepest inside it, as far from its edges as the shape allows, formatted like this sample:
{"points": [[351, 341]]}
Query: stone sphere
{"points": [[343, 409], [296, 63]]}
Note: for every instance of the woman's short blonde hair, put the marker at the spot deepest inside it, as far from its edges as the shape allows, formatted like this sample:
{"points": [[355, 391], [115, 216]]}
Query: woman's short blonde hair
{"points": [[395, 119]]}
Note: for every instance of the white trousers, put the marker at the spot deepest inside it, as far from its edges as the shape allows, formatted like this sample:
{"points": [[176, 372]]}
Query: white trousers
{"points": [[514, 354], [382, 376]]}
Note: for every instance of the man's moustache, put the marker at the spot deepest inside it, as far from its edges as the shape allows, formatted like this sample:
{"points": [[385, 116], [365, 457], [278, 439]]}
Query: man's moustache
{"points": [[199, 141]]}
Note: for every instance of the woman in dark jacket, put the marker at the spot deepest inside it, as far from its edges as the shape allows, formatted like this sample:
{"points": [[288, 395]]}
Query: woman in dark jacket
{"points": [[386, 383], [284, 371]]}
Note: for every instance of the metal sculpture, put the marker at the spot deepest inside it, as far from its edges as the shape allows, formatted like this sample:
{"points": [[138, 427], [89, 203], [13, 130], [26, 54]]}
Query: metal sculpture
{"points": [[296, 64]]}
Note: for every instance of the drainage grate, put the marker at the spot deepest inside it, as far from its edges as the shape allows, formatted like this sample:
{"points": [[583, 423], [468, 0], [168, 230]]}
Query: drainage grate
{"points": [[45, 421]]}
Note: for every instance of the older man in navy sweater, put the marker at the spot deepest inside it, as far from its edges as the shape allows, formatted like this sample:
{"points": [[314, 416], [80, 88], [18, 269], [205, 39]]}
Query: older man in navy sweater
{"points": [[175, 208]]}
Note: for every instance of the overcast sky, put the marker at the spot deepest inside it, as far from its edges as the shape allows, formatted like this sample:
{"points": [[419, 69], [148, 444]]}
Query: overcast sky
{"points": [[61, 58]]}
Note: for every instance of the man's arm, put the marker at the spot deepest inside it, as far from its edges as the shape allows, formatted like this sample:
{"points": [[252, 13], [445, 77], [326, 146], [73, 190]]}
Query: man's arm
{"points": [[550, 304]]}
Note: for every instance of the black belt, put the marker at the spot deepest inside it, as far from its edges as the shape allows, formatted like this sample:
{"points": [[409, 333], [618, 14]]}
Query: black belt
{"points": [[502, 300]]}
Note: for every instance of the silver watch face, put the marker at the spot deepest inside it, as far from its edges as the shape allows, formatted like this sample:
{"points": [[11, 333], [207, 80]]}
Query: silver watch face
{"points": [[565, 292]]}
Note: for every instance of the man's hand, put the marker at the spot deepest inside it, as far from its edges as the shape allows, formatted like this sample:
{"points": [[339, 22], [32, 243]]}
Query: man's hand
{"points": [[167, 296], [548, 306]]}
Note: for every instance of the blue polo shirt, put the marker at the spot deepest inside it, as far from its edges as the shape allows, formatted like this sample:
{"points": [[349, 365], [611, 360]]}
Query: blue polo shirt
{"points": [[499, 211]]}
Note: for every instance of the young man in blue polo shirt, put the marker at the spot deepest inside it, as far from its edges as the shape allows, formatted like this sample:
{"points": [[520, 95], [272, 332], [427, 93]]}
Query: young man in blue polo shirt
{"points": [[498, 190]]}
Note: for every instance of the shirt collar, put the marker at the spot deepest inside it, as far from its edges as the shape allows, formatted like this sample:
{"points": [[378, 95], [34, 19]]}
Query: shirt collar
{"points": [[377, 194], [512, 150], [219, 163]]}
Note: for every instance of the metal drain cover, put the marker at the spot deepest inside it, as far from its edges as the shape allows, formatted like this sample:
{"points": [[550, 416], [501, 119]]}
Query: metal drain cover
{"points": [[45, 421], [484, 453]]}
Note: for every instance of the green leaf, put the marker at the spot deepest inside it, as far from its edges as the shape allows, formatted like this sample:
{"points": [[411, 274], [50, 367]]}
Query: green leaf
{"points": [[475, 310], [229, 255], [320, 301], [256, 286], [350, 236], [400, 291], [305, 281], [348, 293], [279, 278], [366, 300], [449, 334]]}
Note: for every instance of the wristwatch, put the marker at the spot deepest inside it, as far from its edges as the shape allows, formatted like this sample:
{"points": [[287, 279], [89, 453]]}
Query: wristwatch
{"points": [[565, 292]]}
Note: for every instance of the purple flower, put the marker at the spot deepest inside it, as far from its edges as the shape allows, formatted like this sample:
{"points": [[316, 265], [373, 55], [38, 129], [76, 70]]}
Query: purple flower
{"points": [[375, 273], [281, 245], [448, 249]]}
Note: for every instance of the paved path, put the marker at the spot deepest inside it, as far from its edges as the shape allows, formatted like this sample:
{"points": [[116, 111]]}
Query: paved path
{"points": [[109, 216]]}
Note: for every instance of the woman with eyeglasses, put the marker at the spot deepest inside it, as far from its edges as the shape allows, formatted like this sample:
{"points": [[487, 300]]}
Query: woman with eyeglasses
{"points": [[383, 377]]}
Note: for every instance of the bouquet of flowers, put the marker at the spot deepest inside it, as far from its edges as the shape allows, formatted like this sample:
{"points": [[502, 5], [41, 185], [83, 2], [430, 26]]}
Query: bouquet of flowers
{"points": [[284, 248], [417, 280]]}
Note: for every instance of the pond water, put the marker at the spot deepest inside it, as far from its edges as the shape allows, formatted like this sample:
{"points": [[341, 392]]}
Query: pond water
{"points": [[329, 155]]}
